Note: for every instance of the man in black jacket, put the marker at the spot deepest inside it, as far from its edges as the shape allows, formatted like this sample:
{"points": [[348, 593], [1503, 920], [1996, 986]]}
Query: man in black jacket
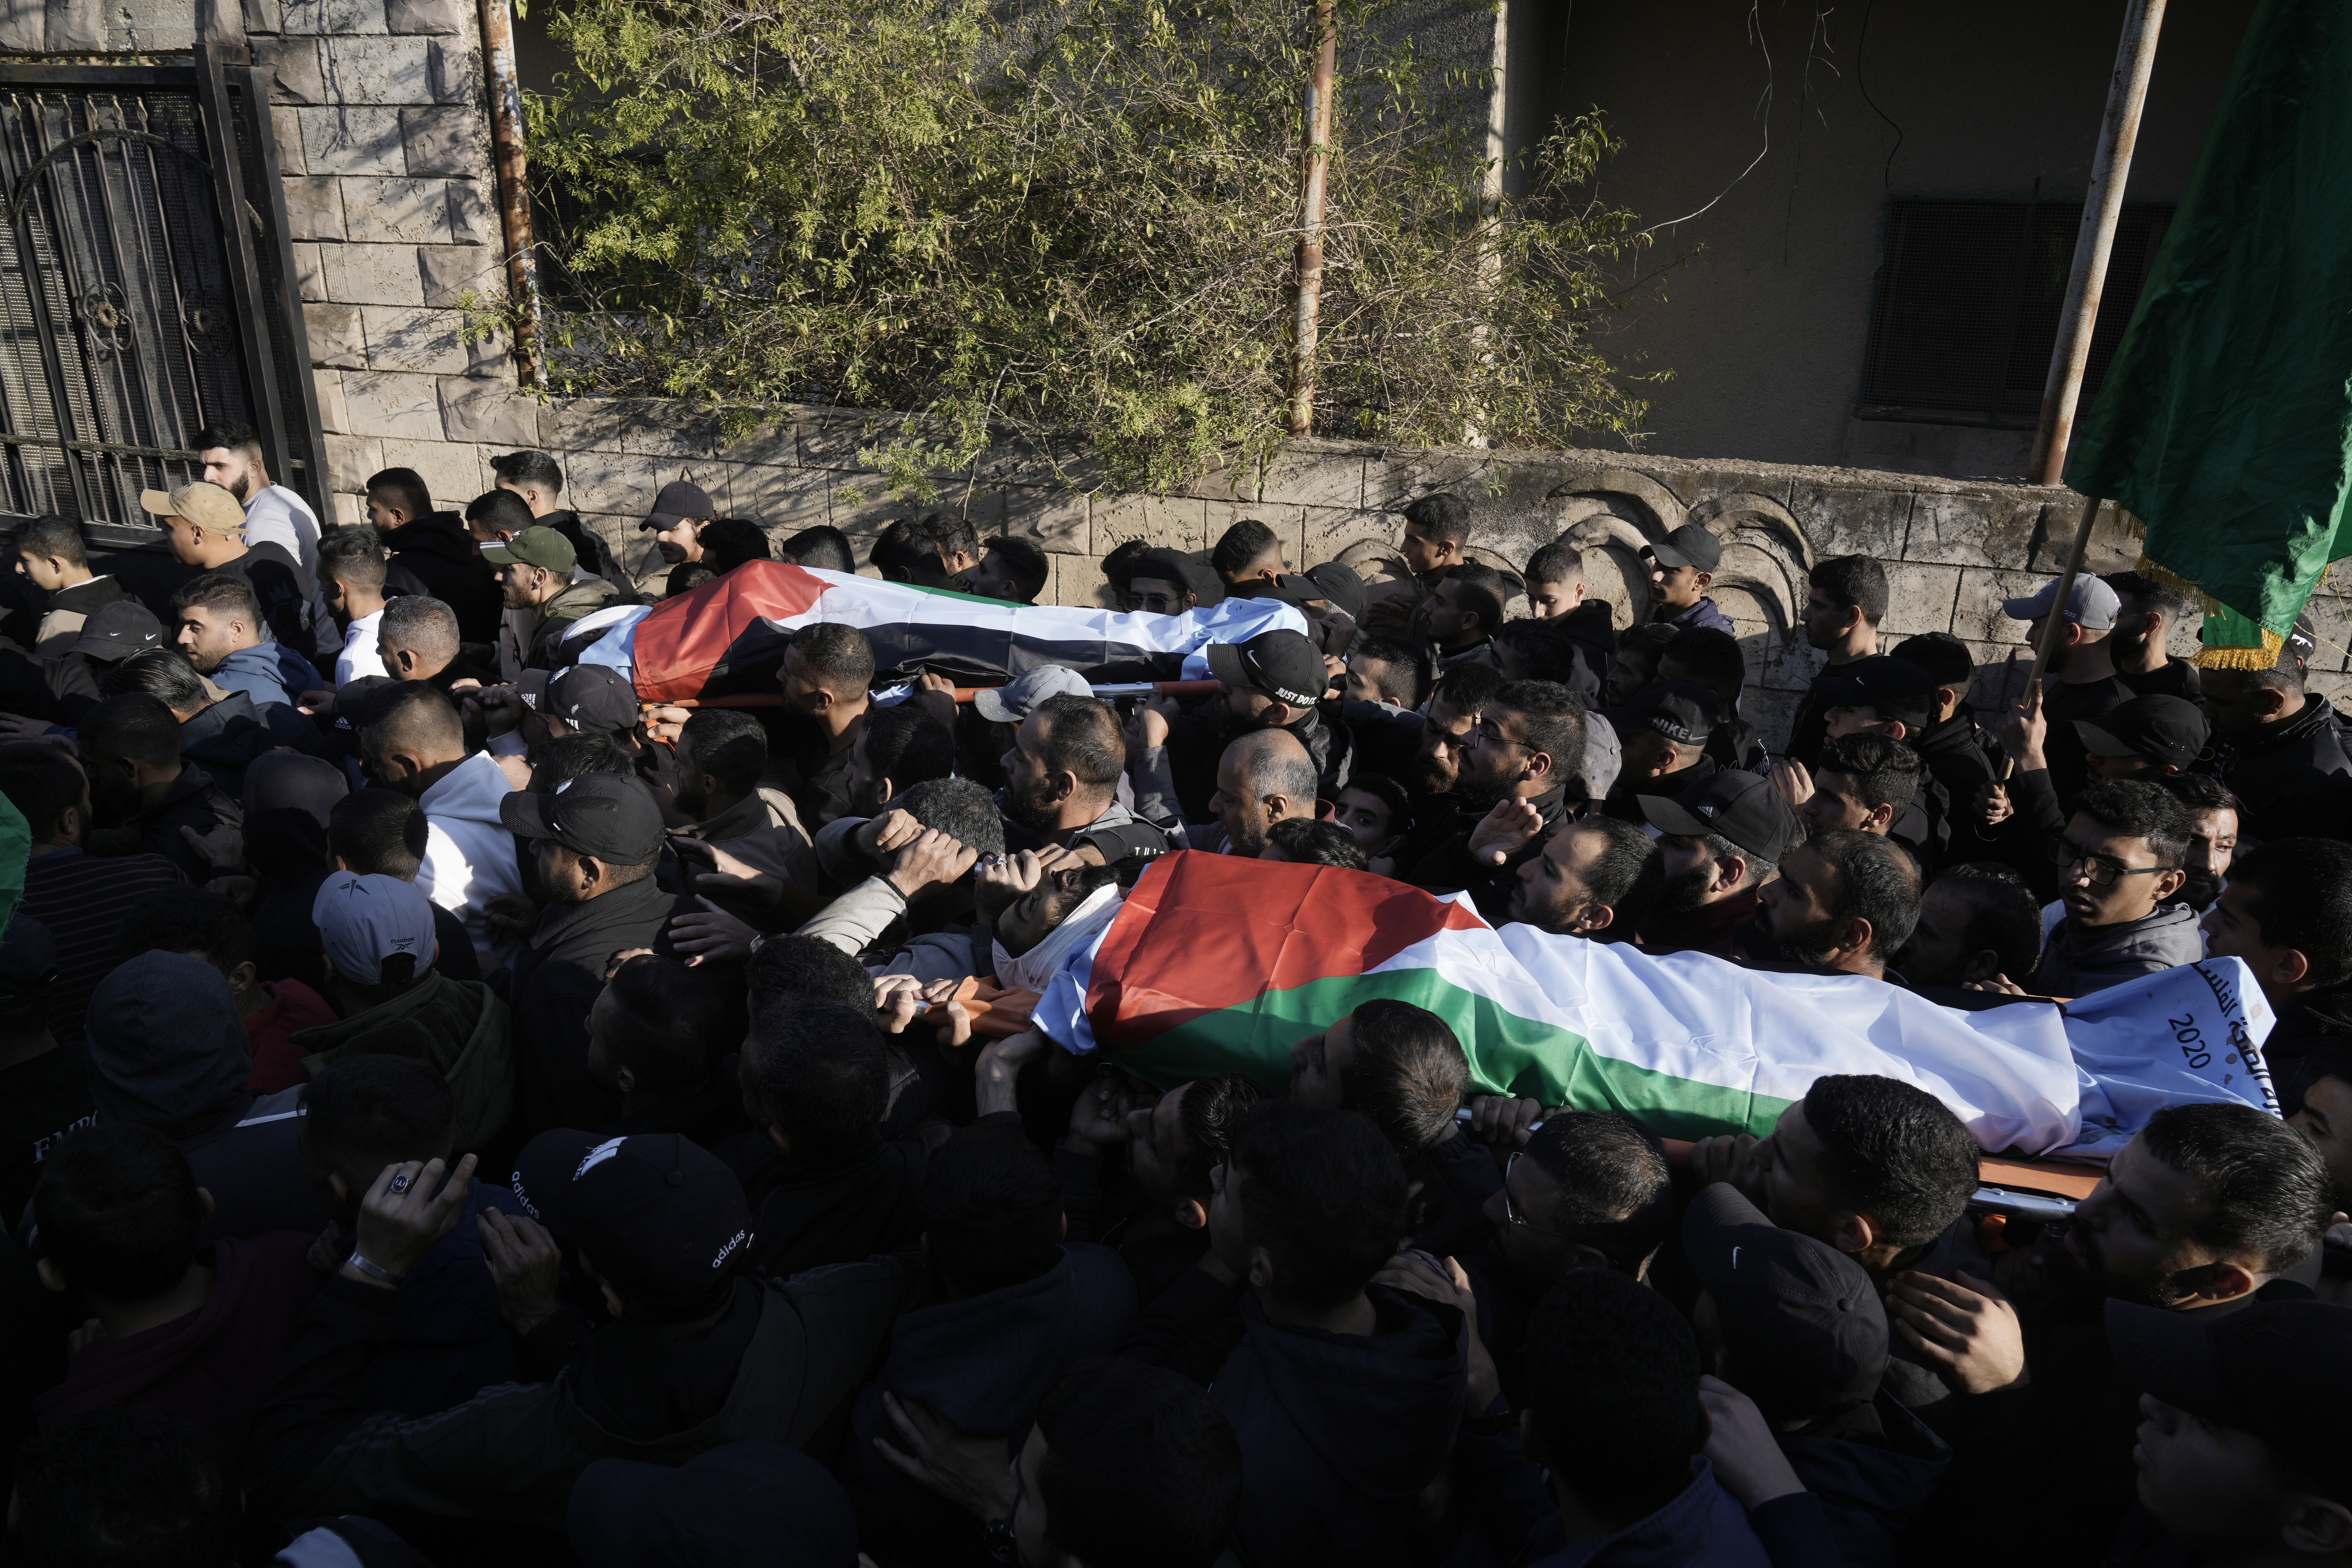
{"points": [[1345, 1394], [2279, 742], [594, 843], [697, 1355], [824, 1184], [144, 797], [1524, 749], [436, 552], [168, 1050], [538, 478]]}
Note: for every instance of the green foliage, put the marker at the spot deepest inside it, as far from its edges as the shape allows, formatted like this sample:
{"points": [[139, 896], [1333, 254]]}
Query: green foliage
{"points": [[1074, 220]]}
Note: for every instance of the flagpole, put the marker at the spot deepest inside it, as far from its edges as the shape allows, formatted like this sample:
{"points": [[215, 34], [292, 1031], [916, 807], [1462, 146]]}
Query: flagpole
{"points": [[2103, 204], [2053, 626]]}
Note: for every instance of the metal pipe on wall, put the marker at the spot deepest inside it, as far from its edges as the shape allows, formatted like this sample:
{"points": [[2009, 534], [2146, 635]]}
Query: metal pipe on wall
{"points": [[2102, 205], [514, 188]]}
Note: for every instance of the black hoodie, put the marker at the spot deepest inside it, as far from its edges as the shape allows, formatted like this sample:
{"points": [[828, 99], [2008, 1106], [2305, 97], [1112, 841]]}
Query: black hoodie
{"points": [[1874, 1468], [437, 550], [2272, 771], [1339, 1433], [168, 1050], [984, 1365], [226, 737]]}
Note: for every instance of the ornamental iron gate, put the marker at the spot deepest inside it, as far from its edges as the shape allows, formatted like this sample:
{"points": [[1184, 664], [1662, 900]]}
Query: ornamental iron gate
{"points": [[144, 288]]}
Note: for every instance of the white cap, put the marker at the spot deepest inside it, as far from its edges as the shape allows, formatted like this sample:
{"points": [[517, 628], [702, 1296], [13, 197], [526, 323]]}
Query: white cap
{"points": [[363, 921], [1011, 704], [2093, 605]]}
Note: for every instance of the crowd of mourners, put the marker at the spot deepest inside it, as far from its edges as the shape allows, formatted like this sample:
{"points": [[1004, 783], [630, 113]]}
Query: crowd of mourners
{"points": [[453, 1113]]}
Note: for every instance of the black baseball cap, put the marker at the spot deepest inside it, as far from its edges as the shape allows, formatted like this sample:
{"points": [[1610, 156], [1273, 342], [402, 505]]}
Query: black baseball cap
{"points": [[2280, 1370], [1741, 807], [610, 816], [1331, 583], [1689, 545], [680, 501], [1681, 710], [1282, 664], [660, 1218], [1803, 1323], [592, 697], [2161, 729], [1898, 688], [755, 1501], [116, 631]]}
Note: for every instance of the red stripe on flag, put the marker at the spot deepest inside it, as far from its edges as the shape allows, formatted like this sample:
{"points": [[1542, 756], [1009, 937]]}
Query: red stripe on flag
{"points": [[1203, 931], [685, 639]]}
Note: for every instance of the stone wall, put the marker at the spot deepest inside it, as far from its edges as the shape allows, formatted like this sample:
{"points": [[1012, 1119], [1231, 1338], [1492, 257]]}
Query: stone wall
{"points": [[1954, 551], [381, 115]]}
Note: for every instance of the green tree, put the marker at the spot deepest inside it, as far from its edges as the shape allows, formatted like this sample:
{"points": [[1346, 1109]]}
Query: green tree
{"points": [[1072, 221]]}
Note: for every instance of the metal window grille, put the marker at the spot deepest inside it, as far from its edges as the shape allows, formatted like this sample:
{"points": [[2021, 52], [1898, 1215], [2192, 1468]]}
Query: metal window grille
{"points": [[1965, 315]]}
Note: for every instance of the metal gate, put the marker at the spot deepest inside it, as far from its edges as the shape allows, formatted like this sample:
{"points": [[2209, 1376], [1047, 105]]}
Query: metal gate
{"points": [[145, 288]]}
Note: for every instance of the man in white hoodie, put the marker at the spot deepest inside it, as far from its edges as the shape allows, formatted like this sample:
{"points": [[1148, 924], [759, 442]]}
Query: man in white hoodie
{"points": [[415, 742]]}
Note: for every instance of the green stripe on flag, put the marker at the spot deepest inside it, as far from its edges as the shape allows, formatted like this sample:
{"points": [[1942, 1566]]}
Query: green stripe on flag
{"points": [[1508, 1054]]}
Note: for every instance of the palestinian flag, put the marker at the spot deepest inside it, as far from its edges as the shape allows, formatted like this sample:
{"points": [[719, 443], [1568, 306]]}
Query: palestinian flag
{"points": [[727, 637], [1219, 964]]}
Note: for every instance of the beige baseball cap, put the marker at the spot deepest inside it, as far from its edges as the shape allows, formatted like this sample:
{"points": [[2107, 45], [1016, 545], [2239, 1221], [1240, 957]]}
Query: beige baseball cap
{"points": [[204, 503]]}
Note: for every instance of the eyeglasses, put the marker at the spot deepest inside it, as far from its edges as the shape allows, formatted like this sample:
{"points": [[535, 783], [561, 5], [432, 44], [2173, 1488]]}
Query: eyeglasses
{"points": [[1489, 735], [1511, 1210], [2099, 870]]}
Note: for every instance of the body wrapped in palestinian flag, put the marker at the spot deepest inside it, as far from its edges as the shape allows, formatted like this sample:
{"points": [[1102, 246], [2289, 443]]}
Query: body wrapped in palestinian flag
{"points": [[1219, 964], [727, 637]]}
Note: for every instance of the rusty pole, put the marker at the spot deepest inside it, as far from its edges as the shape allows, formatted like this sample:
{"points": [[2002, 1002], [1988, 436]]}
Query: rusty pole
{"points": [[514, 189], [1312, 184], [2102, 204]]}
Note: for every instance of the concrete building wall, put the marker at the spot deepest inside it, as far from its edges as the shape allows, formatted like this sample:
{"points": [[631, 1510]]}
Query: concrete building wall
{"points": [[1765, 325]]}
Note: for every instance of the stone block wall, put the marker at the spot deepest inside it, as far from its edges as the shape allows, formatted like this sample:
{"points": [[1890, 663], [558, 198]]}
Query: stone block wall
{"points": [[1954, 551], [381, 113]]}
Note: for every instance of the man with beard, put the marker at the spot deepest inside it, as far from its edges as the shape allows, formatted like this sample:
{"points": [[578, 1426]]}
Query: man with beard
{"points": [[1272, 681], [1588, 1189], [897, 749], [2213, 841], [1524, 751], [2084, 664], [2146, 614], [1061, 783], [2280, 748], [1596, 878], [1846, 598], [1843, 900], [230, 452], [1873, 785], [1977, 923], [1459, 617], [1263, 778], [534, 572], [2208, 1209], [1719, 843], [144, 799], [1662, 735], [1432, 764]]}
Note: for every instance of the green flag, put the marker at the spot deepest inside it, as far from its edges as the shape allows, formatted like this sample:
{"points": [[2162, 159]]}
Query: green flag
{"points": [[2225, 422]]}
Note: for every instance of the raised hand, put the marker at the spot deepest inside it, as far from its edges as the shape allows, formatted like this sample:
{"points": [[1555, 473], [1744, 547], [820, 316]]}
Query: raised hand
{"points": [[1505, 831], [525, 1265], [407, 1209]]}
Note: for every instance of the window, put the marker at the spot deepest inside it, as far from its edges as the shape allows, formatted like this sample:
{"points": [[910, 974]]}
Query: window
{"points": [[1968, 299]]}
